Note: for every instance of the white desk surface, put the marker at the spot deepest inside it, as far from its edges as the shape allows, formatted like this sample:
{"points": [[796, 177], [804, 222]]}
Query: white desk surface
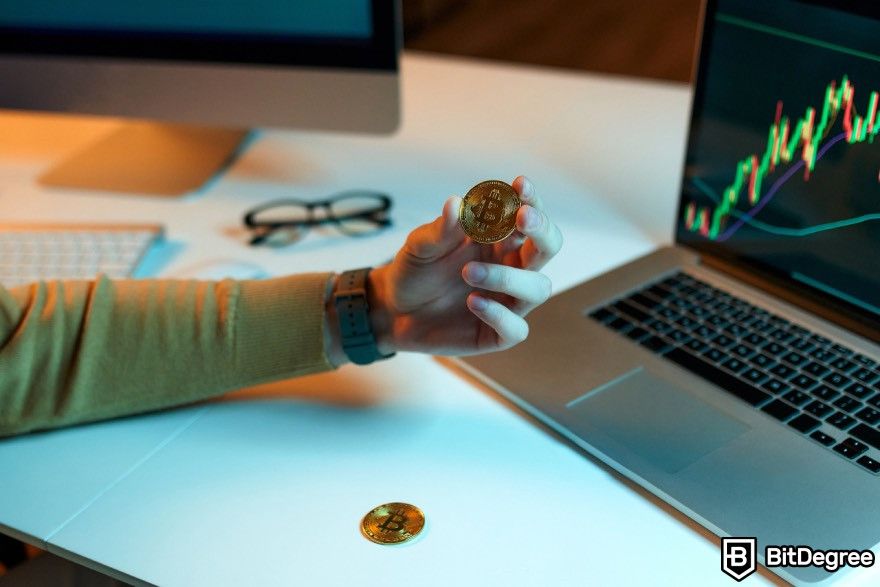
{"points": [[268, 485]]}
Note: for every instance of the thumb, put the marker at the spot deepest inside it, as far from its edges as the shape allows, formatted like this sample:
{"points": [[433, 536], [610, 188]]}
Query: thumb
{"points": [[435, 239]]}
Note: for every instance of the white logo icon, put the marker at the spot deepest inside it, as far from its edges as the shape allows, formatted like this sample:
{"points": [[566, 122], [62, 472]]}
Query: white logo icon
{"points": [[738, 557]]}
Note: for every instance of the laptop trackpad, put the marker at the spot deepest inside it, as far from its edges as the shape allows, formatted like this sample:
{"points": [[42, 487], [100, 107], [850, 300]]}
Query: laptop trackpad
{"points": [[652, 418]]}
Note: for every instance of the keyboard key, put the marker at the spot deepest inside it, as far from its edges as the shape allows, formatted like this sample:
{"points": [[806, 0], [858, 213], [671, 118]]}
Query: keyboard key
{"points": [[619, 324], [840, 420], [842, 364], [803, 381], [780, 410], [837, 380], [869, 415], [826, 393], [841, 350], [602, 315], [848, 404], [679, 336], [637, 333], [782, 371], [644, 301], [716, 355], [823, 355], [818, 409], [822, 438], [625, 308], [762, 360], [755, 339], [754, 376], [723, 341], [736, 329], [655, 344], [696, 345], [819, 339], [795, 359], [867, 434], [850, 448], [816, 369], [796, 397], [863, 360], [802, 345], [728, 382], [804, 423], [742, 351], [781, 335], [859, 390], [659, 292], [734, 365], [869, 463], [865, 375]]}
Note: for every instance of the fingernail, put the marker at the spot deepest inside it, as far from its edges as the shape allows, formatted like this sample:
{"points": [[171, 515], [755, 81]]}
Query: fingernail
{"points": [[533, 219], [476, 272], [477, 303], [528, 187]]}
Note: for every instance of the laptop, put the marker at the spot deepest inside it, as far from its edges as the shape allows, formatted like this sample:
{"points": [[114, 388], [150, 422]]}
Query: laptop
{"points": [[736, 373]]}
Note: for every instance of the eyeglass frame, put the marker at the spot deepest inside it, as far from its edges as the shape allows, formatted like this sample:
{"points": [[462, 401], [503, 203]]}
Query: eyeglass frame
{"points": [[384, 201]]}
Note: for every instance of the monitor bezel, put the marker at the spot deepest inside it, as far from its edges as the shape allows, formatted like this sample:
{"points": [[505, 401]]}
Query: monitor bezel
{"points": [[761, 274], [376, 52]]}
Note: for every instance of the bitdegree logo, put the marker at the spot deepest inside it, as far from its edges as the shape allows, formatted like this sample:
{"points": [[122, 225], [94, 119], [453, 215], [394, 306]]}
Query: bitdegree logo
{"points": [[805, 556], [738, 557]]}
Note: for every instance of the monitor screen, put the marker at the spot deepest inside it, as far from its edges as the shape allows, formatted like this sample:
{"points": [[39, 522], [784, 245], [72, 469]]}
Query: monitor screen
{"points": [[783, 163], [344, 33]]}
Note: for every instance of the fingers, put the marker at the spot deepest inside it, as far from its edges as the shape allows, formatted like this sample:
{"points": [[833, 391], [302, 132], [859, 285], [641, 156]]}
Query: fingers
{"points": [[526, 190], [435, 239], [510, 328], [544, 237], [530, 288]]}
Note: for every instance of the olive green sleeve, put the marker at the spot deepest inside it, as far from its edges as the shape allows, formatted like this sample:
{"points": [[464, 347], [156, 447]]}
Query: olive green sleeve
{"points": [[78, 351]]}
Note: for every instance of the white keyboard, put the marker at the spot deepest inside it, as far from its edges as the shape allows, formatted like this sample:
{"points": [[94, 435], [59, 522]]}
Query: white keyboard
{"points": [[34, 252]]}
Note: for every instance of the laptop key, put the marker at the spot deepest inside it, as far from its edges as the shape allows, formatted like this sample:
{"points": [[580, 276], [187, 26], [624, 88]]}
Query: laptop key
{"points": [[644, 301], [826, 393], [837, 380], [796, 397], [762, 360], [782, 371], [866, 434], [728, 382], [865, 375], [848, 404], [823, 355], [869, 415], [860, 391], [804, 423], [869, 463], [850, 448], [780, 410], [866, 361], [716, 355], [795, 359], [842, 364], [630, 310], [619, 324], [822, 438], [840, 420], [816, 369], [818, 409], [803, 381], [602, 315], [754, 376], [734, 365], [637, 333], [842, 350]]}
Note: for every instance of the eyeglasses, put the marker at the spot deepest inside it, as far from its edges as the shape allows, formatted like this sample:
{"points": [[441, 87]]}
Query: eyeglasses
{"points": [[354, 213]]}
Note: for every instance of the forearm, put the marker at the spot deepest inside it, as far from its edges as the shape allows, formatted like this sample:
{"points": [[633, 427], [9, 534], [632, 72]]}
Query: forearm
{"points": [[73, 352]]}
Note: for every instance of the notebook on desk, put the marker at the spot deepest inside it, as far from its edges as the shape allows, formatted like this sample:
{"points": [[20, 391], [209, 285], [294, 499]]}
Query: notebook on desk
{"points": [[736, 374]]}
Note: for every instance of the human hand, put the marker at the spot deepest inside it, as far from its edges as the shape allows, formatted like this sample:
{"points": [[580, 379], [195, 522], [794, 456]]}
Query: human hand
{"points": [[445, 294]]}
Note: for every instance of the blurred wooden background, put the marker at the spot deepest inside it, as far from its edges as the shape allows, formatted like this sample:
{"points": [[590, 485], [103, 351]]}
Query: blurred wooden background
{"points": [[648, 38]]}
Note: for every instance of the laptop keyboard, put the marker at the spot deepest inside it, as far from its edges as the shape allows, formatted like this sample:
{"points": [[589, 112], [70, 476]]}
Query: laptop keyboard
{"points": [[815, 386]]}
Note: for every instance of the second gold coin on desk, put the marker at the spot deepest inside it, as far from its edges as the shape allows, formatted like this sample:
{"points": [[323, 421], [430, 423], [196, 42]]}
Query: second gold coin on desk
{"points": [[488, 211], [392, 523]]}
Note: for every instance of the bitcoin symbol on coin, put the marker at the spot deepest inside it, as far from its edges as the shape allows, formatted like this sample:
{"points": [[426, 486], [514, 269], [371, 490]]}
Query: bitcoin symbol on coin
{"points": [[392, 523], [488, 211]]}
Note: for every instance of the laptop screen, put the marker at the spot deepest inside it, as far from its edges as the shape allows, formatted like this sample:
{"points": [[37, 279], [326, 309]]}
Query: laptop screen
{"points": [[783, 164]]}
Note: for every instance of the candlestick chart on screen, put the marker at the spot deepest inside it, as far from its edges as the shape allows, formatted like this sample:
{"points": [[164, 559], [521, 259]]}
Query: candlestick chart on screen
{"points": [[846, 117]]}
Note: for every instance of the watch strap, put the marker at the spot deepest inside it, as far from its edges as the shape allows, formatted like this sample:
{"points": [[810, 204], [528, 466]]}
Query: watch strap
{"points": [[353, 313]]}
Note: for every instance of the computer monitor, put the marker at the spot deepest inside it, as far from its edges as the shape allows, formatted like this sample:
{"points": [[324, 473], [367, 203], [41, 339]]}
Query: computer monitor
{"points": [[214, 69]]}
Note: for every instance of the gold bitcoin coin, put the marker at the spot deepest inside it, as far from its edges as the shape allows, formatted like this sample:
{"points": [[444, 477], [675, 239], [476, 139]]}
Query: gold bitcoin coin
{"points": [[488, 211], [392, 523]]}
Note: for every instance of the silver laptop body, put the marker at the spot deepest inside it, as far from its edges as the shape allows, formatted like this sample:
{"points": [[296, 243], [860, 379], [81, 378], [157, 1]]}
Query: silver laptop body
{"points": [[730, 460]]}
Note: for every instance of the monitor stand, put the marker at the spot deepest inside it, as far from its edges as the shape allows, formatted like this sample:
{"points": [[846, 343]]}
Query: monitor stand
{"points": [[149, 158]]}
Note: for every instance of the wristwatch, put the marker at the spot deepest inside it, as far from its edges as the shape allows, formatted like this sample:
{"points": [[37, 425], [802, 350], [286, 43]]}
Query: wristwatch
{"points": [[353, 312]]}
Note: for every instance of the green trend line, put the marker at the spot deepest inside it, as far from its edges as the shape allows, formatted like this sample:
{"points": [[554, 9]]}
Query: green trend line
{"points": [[784, 230], [755, 26], [787, 140]]}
